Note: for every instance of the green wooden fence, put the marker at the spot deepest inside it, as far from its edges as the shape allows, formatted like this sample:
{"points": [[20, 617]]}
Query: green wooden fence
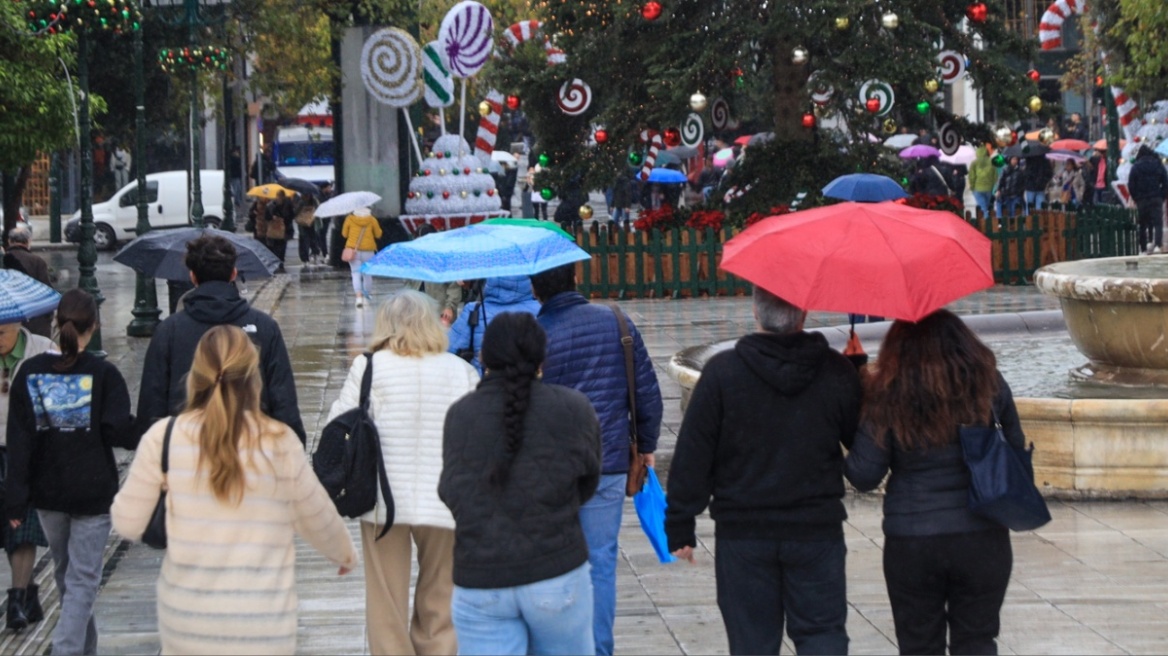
{"points": [[683, 262]]}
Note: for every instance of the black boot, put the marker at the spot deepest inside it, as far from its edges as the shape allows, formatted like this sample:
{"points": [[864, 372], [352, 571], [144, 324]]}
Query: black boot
{"points": [[32, 604], [17, 620]]}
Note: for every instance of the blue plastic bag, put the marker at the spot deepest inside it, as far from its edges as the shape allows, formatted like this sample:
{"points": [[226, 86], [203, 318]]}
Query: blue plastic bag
{"points": [[650, 504]]}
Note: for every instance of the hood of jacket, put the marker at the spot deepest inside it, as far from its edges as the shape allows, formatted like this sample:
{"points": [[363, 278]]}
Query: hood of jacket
{"points": [[508, 290], [215, 303], [788, 363]]}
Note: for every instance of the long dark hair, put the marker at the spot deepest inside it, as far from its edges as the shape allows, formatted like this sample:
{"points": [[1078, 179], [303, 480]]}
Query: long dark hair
{"points": [[514, 346], [931, 377], [76, 314]]}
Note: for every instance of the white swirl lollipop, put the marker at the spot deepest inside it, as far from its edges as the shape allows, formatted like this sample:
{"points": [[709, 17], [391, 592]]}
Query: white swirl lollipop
{"points": [[881, 91], [390, 63], [950, 140], [950, 66], [719, 113], [465, 36], [693, 130], [575, 97]]}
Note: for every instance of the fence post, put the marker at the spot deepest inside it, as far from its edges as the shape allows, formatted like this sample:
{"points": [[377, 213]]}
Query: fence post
{"points": [[675, 251], [622, 265], [585, 282], [656, 249], [639, 263], [603, 250]]}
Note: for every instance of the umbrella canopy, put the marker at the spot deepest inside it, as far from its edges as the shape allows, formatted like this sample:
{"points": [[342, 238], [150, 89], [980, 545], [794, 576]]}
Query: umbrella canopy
{"points": [[885, 259], [864, 188], [1026, 149], [761, 138], [1069, 144], [684, 152], [964, 156], [346, 203], [918, 151], [1162, 149], [504, 157], [162, 254], [900, 141], [743, 140], [270, 190], [1064, 155], [723, 157], [476, 251], [530, 223], [667, 158], [666, 176], [23, 297], [301, 187]]}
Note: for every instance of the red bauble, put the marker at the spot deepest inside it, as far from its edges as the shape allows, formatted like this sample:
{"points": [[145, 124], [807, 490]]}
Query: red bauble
{"points": [[490, 192], [446, 194], [1013, 137], [977, 12], [1033, 75], [651, 10], [873, 105], [809, 120], [601, 136], [672, 137], [466, 171], [512, 103]]}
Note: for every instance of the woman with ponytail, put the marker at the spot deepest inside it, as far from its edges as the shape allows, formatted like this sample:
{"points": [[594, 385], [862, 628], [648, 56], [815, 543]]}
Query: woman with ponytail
{"points": [[67, 411], [519, 459], [239, 489]]}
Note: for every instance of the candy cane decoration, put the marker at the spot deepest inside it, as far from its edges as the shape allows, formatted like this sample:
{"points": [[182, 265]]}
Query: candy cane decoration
{"points": [[653, 138], [489, 127], [524, 31]]}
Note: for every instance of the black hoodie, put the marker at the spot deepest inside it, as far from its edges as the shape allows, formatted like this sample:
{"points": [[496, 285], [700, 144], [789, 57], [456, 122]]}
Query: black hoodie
{"points": [[762, 436], [172, 350]]}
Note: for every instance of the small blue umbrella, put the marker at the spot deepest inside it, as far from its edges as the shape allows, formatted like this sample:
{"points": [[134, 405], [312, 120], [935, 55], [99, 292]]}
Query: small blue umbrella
{"points": [[1162, 149], [666, 176], [864, 188], [473, 252], [22, 297]]}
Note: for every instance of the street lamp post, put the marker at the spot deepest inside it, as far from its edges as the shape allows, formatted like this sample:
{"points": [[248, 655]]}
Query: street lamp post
{"points": [[228, 146], [146, 312], [87, 251]]}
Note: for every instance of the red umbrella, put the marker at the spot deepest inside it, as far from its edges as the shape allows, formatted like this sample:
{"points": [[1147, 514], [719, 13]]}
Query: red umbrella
{"points": [[1070, 144], [743, 140], [885, 259]]}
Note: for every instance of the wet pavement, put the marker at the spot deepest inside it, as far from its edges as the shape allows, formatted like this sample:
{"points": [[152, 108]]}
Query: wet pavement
{"points": [[1095, 580]]}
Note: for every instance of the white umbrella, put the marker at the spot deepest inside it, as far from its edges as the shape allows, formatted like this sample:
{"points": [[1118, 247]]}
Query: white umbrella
{"points": [[504, 157], [900, 141], [347, 202], [964, 155]]}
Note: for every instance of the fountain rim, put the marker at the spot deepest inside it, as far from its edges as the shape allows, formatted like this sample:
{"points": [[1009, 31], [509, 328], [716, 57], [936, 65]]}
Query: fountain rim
{"points": [[1112, 288]]}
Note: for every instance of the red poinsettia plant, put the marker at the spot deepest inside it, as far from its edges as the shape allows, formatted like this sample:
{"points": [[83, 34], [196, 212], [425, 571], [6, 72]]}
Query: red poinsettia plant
{"points": [[702, 219], [941, 203], [661, 218], [777, 210]]}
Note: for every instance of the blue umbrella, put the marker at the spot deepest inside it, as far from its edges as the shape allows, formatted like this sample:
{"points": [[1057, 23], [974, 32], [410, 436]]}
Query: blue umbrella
{"points": [[666, 176], [473, 252], [1162, 149], [864, 188], [22, 297]]}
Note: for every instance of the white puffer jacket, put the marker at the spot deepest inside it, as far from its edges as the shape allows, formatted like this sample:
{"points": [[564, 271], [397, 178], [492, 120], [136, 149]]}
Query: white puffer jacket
{"points": [[408, 401]]}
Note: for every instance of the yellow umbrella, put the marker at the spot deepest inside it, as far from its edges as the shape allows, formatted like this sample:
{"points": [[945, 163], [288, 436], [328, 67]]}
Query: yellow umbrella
{"points": [[270, 190]]}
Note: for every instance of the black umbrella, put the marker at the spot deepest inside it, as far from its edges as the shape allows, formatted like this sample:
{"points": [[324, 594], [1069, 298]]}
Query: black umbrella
{"points": [[1025, 149], [302, 187], [162, 254]]}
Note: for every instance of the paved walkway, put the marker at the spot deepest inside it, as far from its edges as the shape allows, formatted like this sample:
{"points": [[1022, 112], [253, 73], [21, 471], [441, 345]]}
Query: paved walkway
{"points": [[1093, 581]]}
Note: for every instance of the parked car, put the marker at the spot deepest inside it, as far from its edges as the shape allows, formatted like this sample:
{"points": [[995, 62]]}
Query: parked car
{"points": [[167, 197]]}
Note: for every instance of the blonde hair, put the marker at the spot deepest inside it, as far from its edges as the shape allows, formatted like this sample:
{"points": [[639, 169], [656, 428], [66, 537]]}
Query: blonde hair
{"points": [[408, 324], [224, 385]]}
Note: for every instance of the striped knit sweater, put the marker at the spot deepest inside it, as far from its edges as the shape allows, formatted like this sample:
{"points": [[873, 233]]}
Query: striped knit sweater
{"points": [[227, 581]]}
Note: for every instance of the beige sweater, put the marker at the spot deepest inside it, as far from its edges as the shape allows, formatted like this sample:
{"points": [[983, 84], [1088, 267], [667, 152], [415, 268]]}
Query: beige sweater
{"points": [[227, 581]]}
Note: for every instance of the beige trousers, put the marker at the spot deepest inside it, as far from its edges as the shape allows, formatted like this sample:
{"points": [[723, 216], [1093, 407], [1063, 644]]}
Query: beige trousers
{"points": [[387, 590]]}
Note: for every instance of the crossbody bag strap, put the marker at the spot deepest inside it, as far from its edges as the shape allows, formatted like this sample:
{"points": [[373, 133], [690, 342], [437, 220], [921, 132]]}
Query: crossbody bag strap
{"points": [[382, 478], [630, 377], [166, 450], [366, 382]]}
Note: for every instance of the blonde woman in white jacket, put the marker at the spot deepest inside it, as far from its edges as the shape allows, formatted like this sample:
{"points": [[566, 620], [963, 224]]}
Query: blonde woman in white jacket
{"points": [[415, 381]]}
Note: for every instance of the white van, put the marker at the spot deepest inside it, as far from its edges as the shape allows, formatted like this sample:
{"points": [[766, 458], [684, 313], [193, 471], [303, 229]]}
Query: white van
{"points": [[168, 200]]}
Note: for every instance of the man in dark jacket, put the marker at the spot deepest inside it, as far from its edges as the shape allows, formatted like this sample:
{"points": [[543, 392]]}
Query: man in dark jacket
{"points": [[762, 436], [1036, 174], [585, 353], [1148, 184], [214, 301], [19, 258]]}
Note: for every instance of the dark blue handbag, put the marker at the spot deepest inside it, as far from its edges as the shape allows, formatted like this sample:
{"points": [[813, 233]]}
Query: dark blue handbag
{"points": [[1001, 479]]}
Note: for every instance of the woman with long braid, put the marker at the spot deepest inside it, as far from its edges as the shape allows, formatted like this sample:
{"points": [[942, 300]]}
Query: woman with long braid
{"points": [[519, 459]]}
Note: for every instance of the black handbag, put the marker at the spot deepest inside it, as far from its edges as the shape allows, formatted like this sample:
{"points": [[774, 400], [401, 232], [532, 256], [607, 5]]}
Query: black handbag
{"points": [[155, 534], [348, 460], [1001, 479]]}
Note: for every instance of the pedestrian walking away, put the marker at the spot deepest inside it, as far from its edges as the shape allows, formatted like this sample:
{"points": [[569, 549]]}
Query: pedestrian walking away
{"points": [[775, 478], [361, 232], [415, 381], [214, 301], [1148, 184], [66, 413], [506, 294], [945, 567], [519, 459], [585, 353], [239, 487]]}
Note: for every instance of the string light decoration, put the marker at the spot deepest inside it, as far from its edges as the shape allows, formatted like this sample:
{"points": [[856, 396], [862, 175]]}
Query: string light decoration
{"points": [[194, 58], [48, 17]]}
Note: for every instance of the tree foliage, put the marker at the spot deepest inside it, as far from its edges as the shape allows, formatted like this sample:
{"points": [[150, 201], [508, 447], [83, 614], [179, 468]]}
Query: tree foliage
{"points": [[1135, 36]]}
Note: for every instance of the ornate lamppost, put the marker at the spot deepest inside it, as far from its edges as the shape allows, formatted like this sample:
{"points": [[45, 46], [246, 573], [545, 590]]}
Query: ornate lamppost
{"points": [[146, 312]]}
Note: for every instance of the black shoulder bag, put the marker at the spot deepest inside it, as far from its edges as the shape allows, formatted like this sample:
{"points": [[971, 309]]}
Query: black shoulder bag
{"points": [[155, 534]]}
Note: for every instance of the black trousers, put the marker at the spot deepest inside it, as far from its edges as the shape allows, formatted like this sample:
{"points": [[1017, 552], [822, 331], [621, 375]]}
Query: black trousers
{"points": [[307, 242], [955, 582], [1151, 218]]}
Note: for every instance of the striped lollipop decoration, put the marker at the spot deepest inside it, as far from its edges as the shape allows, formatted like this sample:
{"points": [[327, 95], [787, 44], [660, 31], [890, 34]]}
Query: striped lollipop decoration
{"points": [[489, 127], [465, 36], [525, 31], [719, 113], [693, 130], [439, 90], [950, 66], [575, 97], [653, 138], [882, 92], [390, 63]]}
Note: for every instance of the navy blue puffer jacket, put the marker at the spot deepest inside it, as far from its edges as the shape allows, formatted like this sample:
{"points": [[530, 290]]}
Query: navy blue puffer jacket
{"points": [[585, 353]]}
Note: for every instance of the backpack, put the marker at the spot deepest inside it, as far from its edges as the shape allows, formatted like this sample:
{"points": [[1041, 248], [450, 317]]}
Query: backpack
{"points": [[348, 460]]}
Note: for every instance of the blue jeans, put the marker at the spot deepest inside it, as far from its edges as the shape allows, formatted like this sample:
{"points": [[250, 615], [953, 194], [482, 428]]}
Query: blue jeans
{"points": [[761, 583], [601, 520], [983, 199], [1035, 200], [553, 616]]}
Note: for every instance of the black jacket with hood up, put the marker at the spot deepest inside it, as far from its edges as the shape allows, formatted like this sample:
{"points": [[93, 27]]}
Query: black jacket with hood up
{"points": [[172, 350], [762, 436]]}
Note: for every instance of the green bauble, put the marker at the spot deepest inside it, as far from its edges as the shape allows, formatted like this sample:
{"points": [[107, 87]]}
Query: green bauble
{"points": [[635, 158], [998, 160], [546, 193], [544, 160]]}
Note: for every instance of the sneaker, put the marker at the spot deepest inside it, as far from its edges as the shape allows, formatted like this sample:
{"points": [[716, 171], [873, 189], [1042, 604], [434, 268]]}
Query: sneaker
{"points": [[1156, 250], [360, 301]]}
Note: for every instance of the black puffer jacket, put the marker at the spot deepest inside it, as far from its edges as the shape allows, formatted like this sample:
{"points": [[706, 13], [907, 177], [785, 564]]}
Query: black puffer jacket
{"points": [[1148, 181], [928, 491], [530, 530], [1037, 174]]}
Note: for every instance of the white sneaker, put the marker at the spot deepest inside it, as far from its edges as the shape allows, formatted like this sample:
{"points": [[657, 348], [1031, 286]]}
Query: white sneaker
{"points": [[1156, 250], [360, 301]]}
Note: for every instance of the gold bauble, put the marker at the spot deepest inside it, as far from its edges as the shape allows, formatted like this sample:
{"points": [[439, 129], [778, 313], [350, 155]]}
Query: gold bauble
{"points": [[799, 56], [890, 21], [484, 108], [462, 194], [585, 212], [1035, 104], [843, 23], [697, 102], [889, 126], [1046, 136], [441, 171], [932, 85]]}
